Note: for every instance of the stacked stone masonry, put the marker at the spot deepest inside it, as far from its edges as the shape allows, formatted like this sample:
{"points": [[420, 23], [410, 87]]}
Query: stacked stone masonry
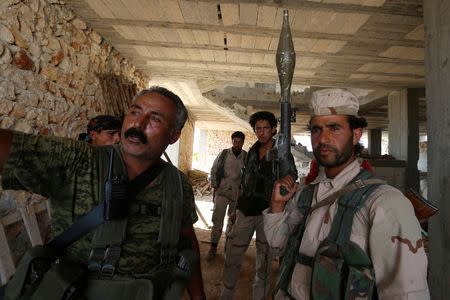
{"points": [[51, 63]]}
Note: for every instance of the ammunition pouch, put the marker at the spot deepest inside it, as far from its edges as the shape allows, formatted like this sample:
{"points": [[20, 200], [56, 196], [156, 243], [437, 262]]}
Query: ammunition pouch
{"points": [[342, 273], [182, 273], [42, 275]]}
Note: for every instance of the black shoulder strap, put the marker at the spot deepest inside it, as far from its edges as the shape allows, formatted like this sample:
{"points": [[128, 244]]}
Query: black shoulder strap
{"points": [[221, 165]]}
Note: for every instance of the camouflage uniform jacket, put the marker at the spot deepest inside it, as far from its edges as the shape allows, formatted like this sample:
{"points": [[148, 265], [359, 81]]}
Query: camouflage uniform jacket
{"points": [[385, 228], [67, 171]]}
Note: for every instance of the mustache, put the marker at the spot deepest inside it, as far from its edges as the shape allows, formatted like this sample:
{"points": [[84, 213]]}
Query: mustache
{"points": [[134, 132], [325, 147]]}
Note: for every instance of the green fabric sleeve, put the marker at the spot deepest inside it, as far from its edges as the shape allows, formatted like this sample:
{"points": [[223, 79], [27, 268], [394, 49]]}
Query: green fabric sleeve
{"points": [[44, 164]]}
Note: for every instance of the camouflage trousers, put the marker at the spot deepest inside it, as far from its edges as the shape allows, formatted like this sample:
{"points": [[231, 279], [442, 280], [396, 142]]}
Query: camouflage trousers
{"points": [[220, 208], [238, 241]]}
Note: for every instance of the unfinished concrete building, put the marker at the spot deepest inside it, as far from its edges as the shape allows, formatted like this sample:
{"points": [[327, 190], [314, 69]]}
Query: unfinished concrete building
{"points": [[62, 62]]}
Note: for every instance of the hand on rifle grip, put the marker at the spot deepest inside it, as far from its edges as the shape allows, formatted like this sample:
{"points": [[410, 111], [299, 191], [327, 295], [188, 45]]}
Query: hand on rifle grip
{"points": [[279, 199], [283, 191]]}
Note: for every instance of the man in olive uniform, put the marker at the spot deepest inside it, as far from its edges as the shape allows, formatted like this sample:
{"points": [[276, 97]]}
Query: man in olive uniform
{"points": [[256, 189], [344, 216], [67, 171]]}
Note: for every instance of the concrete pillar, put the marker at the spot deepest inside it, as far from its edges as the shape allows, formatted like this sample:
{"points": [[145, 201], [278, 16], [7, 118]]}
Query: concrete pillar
{"points": [[398, 124], [404, 131], [186, 147], [203, 149], [437, 65], [412, 171], [374, 137]]}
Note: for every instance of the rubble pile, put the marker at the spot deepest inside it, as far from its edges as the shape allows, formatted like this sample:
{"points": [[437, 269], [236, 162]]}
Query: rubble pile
{"points": [[200, 183]]}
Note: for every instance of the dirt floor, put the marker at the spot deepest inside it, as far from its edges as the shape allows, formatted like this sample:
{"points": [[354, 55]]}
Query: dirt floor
{"points": [[212, 270]]}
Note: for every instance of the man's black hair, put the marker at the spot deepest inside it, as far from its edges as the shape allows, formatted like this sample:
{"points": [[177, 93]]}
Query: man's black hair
{"points": [[104, 122], [357, 122], [238, 134], [263, 115]]}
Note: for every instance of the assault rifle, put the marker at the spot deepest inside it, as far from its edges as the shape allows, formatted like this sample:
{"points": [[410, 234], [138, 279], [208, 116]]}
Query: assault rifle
{"points": [[285, 60]]}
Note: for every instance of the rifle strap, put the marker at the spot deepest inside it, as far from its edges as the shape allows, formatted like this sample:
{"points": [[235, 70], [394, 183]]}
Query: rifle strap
{"points": [[360, 183]]}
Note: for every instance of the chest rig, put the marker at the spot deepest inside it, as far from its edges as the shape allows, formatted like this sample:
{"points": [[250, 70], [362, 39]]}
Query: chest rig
{"points": [[340, 268], [45, 273]]}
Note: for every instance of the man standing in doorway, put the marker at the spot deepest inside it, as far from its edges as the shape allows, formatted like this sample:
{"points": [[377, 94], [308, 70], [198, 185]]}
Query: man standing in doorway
{"points": [[257, 183], [345, 235], [225, 179]]}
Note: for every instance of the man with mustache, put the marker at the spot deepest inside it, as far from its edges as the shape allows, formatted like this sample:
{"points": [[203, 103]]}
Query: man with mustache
{"points": [[69, 172], [345, 235]]}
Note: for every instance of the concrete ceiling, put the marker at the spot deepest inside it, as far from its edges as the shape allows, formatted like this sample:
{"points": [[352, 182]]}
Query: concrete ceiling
{"points": [[220, 54]]}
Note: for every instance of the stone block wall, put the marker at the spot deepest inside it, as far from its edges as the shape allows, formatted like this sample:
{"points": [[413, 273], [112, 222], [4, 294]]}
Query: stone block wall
{"points": [[51, 63], [51, 70], [217, 140], [220, 139]]}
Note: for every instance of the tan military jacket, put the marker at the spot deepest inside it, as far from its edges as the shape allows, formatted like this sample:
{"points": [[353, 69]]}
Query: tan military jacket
{"points": [[233, 165], [385, 227]]}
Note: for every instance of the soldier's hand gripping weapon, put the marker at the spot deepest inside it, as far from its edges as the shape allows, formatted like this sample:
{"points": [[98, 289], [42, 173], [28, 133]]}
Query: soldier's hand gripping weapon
{"points": [[285, 60]]}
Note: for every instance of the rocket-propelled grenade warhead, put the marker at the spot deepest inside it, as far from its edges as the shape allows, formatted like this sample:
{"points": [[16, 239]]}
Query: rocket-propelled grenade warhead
{"points": [[285, 58]]}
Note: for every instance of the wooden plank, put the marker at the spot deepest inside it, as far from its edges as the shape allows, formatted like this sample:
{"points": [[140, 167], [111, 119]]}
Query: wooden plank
{"points": [[230, 13], [234, 40], [392, 69], [248, 42], [266, 16], [101, 9], [190, 11], [169, 35], [186, 36], [391, 8], [262, 43], [417, 34], [345, 23], [104, 26], [326, 81], [327, 46], [208, 13], [158, 35], [216, 38], [15, 216], [258, 59], [7, 267], [31, 225], [207, 55], [137, 9], [330, 56], [405, 53], [248, 13], [220, 56], [171, 10], [201, 37]]}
